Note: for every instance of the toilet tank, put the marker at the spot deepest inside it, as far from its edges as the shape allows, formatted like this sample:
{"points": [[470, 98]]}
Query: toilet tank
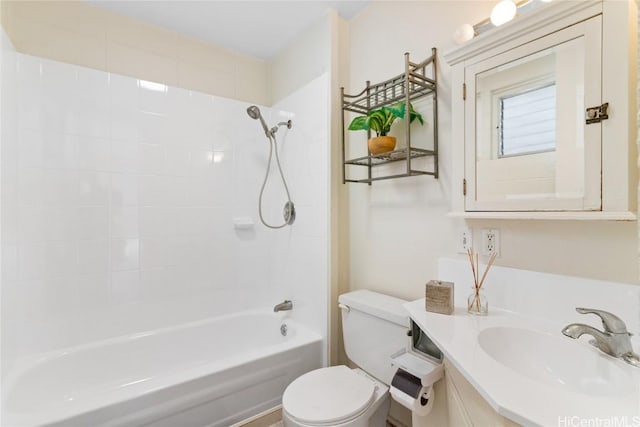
{"points": [[374, 326]]}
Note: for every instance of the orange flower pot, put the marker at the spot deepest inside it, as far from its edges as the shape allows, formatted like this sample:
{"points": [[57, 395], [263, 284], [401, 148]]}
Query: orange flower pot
{"points": [[382, 144]]}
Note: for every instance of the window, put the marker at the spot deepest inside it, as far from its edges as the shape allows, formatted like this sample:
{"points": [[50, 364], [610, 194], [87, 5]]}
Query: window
{"points": [[528, 122]]}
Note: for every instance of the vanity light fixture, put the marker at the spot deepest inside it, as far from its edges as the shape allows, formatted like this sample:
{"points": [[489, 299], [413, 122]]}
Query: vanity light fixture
{"points": [[464, 33], [503, 12]]}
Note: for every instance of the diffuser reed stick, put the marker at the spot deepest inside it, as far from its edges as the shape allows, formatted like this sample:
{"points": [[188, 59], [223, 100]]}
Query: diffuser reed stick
{"points": [[476, 304]]}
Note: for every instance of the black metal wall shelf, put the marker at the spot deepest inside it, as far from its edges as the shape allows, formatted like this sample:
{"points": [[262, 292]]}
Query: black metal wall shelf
{"points": [[411, 85]]}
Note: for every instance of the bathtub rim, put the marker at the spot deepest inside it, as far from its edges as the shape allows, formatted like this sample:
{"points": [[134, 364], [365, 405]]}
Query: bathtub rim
{"points": [[52, 415]]}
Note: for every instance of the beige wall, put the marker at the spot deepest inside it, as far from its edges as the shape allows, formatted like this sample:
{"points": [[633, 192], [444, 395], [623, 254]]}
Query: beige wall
{"points": [[305, 58], [339, 194], [82, 34], [398, 228]]}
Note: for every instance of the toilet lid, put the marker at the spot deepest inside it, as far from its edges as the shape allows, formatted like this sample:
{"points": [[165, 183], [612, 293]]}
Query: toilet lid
{"points": [[328, 395]]}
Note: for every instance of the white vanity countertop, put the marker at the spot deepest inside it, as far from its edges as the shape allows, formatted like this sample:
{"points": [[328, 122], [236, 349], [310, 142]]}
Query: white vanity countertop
{"points": [[528, 398]]}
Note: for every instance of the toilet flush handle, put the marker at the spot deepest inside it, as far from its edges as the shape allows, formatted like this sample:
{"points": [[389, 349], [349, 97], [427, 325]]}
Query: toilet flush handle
{"points": [[344, 307]]}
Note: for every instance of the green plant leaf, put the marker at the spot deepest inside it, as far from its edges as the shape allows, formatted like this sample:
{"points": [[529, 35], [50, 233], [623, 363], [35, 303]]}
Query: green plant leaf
{"points": [[413, 115], [380, 120], [359, 123], [397, 109], [377, 120], [375, 123], [378, 115], [389, 117]]}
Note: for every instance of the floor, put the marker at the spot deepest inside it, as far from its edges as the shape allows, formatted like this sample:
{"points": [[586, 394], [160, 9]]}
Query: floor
{"points": [[272, 418]]}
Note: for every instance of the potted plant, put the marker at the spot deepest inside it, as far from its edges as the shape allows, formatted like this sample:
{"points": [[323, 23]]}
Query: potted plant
{"points": [[380, 121]]}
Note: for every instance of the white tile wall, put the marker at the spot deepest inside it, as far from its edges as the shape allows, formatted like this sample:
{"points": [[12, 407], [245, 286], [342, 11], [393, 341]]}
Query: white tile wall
{"points": [[10, 265], [300, 255], [117, 204]]}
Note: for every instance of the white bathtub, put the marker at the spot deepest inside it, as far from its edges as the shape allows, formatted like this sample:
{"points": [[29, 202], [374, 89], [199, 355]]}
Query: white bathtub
{"points": [[208, 373]]}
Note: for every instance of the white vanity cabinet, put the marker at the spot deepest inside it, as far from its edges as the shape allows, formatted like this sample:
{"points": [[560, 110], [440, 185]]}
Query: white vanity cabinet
{"points": [[466, 407], [544, 121]]}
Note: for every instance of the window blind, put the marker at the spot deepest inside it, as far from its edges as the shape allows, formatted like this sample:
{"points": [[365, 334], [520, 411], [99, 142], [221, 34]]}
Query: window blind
{"points": [[528, 122]]}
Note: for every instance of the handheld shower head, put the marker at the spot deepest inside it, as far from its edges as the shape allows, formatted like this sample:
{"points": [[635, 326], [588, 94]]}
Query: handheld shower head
{"points": [[254, 113]]}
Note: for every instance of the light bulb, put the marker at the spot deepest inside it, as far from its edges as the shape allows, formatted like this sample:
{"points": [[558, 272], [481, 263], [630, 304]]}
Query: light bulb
{"points": [[463, 33], [503, 12]]}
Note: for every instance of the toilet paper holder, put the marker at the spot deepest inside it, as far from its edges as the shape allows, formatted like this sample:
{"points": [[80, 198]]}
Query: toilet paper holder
{"points": [[426, 370], [412, 384]]}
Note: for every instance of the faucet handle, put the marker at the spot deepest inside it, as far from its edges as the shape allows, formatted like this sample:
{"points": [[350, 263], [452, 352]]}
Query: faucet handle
{"points": [[611, 323]]}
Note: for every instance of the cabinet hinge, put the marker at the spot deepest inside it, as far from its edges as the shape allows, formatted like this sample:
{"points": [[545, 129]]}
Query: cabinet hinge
{"points": [[464, 187], [597, 114], [464, 91]]}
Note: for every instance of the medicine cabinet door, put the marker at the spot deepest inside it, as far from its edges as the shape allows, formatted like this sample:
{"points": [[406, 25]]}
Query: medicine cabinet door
{"points": [[527, 144]]}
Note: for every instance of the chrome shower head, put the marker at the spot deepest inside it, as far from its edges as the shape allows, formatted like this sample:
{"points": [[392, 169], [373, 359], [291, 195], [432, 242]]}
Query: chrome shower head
{"points": [[254, 113]]}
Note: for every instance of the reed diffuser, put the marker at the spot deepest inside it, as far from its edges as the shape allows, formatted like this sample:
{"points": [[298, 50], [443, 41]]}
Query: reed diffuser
{"points": [[477, 302]]}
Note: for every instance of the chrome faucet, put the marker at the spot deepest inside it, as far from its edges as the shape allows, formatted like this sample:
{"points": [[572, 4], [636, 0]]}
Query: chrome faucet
{"points": [[283, 306], [614, 340]]}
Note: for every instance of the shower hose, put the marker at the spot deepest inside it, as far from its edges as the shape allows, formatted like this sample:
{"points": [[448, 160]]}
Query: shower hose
{"points": [[288, 210]]}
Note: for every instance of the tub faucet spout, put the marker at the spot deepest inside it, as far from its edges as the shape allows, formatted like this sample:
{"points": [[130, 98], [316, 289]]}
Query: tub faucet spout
{"points": [[283, 306], [614, 340]]}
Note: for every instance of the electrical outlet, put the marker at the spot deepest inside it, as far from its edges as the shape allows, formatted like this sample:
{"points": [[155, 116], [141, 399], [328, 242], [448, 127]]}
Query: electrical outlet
{"points": [[465, 240], [490, 242]]}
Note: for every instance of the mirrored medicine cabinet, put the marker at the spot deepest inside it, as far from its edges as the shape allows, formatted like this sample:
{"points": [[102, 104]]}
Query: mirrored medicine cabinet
{"points": [[544, 115]]}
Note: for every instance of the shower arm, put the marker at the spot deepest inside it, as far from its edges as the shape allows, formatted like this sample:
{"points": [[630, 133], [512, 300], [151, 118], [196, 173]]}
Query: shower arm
{"points": [[275, 128]]}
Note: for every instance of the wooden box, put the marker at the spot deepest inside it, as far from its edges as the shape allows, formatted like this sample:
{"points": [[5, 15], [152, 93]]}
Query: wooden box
{"points": [[439, 297]]}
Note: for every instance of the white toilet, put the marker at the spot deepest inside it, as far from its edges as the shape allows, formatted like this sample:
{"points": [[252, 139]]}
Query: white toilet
{"points": [[374, 327]]}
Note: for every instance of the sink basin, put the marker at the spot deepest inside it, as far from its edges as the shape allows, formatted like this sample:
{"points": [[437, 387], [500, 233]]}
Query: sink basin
{"points": [[555, 360]]}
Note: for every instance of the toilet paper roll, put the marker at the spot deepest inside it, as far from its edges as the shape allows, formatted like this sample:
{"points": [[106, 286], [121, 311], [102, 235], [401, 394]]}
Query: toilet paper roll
{"points": [[420, 406], [408, 391]]}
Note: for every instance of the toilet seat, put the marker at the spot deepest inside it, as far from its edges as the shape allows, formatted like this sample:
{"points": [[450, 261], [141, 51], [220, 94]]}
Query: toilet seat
{"points": [[329, 396]]}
